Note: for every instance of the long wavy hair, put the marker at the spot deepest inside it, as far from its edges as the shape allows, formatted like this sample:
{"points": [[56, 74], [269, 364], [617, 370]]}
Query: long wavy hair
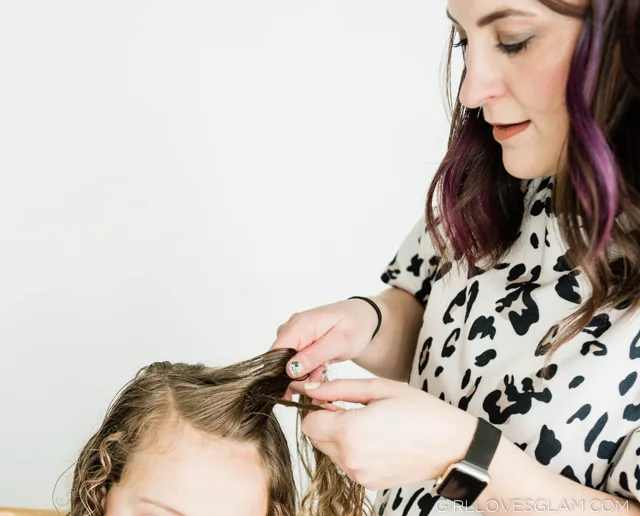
{"points": [[597, 197], [234, 402]]}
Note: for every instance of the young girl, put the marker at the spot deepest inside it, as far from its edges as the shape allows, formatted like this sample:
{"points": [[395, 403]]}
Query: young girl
{"points": [[190, 440]]}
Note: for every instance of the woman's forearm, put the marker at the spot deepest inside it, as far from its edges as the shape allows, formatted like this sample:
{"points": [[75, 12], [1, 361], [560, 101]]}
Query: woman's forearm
{"points": [[390, 353], [521, 484]]}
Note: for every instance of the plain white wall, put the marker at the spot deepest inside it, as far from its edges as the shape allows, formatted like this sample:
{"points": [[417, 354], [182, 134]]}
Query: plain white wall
{"points": [[179, 177]]}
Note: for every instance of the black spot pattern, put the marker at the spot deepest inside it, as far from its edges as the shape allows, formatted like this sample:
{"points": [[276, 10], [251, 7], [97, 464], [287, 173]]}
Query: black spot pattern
{"points": [[548, 373], [588, 476], [567, 288], [598, 325], [631, 412], [466, 378], [627, 383], [522, 400], [529, 315], [458, 301], [473, 295], [634, 351], [548, 446], [624, 481], [594, 347], [411, 501], [540, 206], [484, 358], [576, 382], [414, 267], [427, 503], [449, 349], [595, 431], [567, 285], [581, 414], [607, 449], [424, 354], [563, 264], [464, 401], [534, 241], [397, 501], [567, 472], [392, 272], [483, 327]]}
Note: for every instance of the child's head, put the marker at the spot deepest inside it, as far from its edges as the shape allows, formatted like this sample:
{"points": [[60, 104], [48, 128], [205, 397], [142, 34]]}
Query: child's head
{"points": [[192, 440]]}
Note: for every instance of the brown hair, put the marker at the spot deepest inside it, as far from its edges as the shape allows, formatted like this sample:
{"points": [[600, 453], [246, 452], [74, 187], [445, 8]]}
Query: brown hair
{"points": [[234, 402], [597, 197]]}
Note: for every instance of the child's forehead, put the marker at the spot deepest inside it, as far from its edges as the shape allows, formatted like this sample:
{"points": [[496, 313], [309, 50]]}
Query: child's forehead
{"points": [[189, 470]]}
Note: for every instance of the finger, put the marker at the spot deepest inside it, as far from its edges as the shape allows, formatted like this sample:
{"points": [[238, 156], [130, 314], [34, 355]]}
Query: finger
{"points": [[315, 377], [353, 390], [284, 342], [288, 395], [331, 407], [321, 426], [298, 386], [326, 349]]}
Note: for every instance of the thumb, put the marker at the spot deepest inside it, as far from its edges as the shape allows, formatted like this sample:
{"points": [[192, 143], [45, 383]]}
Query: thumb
{"points": [[321, 427], [353, 390], [316, 355]]}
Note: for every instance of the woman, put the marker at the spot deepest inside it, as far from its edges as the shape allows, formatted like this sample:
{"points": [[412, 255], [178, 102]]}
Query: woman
{"points": [[510, 334], [183, 439]]}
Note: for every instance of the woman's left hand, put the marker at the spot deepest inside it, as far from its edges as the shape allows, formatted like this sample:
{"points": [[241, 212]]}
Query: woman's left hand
{"points": [[401, 435]]}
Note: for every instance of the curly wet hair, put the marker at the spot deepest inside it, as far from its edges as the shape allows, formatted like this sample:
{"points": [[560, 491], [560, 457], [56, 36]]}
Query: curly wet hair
{"points": [[234, 402]]}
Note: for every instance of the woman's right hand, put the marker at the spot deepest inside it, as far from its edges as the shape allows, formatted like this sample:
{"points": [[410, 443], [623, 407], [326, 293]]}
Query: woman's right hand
{"points": [[331, 333]]}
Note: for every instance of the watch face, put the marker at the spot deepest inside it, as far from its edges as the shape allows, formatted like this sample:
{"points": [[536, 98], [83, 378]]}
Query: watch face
{"points": [[461, 487]]}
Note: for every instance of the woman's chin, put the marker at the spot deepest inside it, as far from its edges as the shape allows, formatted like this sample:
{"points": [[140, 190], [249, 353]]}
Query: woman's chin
{"points": [[523, 168]]}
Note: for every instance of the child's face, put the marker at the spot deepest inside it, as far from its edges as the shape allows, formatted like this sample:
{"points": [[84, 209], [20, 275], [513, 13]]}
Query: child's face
{"points": [[186, 473]]}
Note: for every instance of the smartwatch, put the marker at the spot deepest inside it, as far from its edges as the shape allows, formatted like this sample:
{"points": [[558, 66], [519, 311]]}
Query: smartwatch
{"points": [[463, 481]]}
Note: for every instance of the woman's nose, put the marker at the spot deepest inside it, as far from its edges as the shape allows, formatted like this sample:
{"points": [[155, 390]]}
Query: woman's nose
{"points": [[483, 81]]}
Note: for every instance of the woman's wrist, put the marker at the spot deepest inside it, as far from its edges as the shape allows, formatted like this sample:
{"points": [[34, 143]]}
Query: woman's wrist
{"points": [[390, 353], [375, 306]]}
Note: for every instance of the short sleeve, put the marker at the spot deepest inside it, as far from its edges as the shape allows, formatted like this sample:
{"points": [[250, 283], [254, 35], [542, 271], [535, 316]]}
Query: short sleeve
{"points": [[623, 478], [415, 264]]}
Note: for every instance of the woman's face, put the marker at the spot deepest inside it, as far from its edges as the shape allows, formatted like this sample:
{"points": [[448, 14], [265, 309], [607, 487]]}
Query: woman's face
{"points": [[186, 473], [518, 54]]}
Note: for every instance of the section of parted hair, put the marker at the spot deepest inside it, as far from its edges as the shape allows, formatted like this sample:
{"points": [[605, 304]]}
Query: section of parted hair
{"points": [[234, 402]]}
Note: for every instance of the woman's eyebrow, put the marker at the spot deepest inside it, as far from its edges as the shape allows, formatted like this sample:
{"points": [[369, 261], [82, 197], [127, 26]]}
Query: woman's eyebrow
{"points": [[161, 505], [495, 16]]}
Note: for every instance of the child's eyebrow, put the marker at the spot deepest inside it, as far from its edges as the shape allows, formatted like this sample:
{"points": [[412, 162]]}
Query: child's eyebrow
{"points": [[162, 506]]}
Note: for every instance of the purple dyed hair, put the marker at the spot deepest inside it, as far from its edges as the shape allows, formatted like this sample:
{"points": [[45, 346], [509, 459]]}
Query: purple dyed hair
{"points": [[480, 206]]}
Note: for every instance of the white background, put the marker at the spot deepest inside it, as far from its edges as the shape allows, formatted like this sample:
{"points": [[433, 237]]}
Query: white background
{"points": [[179, 177]]}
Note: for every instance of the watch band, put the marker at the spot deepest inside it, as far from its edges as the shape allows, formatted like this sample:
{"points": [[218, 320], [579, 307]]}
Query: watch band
{"points": [[483, 444]]}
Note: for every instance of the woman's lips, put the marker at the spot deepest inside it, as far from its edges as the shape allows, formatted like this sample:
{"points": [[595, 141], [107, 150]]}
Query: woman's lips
{"points": [[504, 132]]}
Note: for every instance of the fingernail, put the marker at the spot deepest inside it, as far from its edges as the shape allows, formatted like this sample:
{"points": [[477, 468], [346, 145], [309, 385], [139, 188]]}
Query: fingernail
{"points": [[295, 368], [324, 376], [311, 385]]}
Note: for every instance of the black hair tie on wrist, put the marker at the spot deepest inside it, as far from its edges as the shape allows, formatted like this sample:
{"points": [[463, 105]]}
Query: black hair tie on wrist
{"points": [[376, 308]]}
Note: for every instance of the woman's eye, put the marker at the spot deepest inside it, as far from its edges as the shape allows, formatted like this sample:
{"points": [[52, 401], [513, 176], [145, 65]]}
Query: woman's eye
{"points": [[510, 49], [514, 48]]}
